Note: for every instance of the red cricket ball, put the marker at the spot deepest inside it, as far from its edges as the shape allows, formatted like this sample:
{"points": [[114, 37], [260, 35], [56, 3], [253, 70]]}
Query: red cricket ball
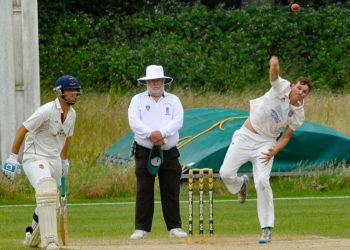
{"points": [[295, 7]]}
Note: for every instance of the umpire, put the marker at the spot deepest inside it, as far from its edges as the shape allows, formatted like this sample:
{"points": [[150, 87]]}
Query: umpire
{"points": [[155, 117]]}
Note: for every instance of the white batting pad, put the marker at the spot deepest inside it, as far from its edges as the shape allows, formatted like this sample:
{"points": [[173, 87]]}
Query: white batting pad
{"points": [[46, 199]]}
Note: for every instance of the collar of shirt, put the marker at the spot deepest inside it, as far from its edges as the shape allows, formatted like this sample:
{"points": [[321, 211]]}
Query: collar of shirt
{"points": [[161, 95], [165, 94], [297, 107], [58, 104], [59, 108]]}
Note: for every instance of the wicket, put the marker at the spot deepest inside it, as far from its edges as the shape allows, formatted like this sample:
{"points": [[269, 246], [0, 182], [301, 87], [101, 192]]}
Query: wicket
{"points": [[201, 172]]}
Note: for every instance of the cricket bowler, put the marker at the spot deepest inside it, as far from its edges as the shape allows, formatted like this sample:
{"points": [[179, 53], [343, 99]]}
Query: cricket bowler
{"points": [[259, 140]]}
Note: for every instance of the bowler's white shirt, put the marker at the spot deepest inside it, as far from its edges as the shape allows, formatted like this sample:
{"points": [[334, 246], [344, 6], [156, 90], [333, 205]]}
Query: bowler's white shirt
{"points": [[46, 133], [273, 111], [147, 115]]}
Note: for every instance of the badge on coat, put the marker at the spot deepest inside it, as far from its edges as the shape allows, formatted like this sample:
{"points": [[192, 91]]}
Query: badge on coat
{"points": [[167, 108]]}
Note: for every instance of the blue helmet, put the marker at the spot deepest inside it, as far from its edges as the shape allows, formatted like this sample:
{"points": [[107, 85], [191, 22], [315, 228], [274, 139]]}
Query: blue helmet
{"points": [[66, 82]]}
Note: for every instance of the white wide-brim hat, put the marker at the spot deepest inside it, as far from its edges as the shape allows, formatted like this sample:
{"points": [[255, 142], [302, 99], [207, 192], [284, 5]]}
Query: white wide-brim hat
{"points": [[155, 72]]}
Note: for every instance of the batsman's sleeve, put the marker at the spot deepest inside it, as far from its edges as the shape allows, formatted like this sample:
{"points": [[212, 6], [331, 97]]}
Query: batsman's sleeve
{"points": [[136, 124], [176, 123], [41, 115]]}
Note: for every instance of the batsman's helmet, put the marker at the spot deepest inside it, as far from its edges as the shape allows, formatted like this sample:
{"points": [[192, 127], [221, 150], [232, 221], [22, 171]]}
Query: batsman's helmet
{"points": [[66, 82]]}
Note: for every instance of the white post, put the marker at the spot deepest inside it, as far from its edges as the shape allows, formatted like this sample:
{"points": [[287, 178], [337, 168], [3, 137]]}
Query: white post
{"points": [[7, 76], [19, 71], [30, 48], [18, 59]]}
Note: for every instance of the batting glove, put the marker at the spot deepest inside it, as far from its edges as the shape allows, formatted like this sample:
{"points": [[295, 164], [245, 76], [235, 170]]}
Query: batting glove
{"points": [[65, 167], [11, 167]]}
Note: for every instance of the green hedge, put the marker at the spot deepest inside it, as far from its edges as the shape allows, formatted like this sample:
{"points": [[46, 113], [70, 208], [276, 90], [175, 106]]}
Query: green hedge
{"points": [[218, 49]]}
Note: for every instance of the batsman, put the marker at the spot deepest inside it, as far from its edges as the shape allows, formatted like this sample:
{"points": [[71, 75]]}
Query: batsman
{"points": [[46, 136]]}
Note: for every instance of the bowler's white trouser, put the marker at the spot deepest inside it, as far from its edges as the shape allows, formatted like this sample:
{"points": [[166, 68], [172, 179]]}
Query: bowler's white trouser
{"points": [[248, 146], [39, 167]]}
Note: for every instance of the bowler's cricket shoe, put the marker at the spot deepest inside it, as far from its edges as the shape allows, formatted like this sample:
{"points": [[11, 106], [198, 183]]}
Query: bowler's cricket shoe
{"points": [[177, 233], [265, 236], [32, 238], [243, 192]]}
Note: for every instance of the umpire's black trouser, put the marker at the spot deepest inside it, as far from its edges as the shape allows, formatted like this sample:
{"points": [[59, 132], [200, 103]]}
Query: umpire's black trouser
{"points": [[169, 175]]}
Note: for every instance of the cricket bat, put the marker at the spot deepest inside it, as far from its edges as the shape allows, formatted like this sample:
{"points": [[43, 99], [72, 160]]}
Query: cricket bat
{"points": [[63, 212]]}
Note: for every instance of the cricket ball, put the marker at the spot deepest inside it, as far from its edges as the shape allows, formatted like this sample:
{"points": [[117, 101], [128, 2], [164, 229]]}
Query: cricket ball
{"points": [[295, 7]]}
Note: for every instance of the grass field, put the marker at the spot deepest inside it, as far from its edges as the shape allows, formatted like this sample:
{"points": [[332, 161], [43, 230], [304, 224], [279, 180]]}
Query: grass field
{"points": [[316, 217], [102, 119]]}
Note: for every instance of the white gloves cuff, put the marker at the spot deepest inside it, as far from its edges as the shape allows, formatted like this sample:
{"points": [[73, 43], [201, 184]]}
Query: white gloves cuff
{"points": [[13, 157], [65, 162]]}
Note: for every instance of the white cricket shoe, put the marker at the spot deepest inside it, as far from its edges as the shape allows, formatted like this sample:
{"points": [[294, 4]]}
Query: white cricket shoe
{"points": [[52, 246], [32, 238], [265, 236], [138, 234], [177, 233]]}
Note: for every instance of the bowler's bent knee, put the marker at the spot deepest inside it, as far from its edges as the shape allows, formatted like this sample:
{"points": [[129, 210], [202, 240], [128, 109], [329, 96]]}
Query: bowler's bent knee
{"points": [[227, 174]]}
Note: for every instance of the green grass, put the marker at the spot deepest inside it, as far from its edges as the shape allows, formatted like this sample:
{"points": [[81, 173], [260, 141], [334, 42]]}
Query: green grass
{"points": [[320, 217]]}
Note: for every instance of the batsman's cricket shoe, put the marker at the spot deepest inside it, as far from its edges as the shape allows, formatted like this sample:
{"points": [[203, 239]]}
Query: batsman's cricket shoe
{"points": [[32, 238], [177, 233], [265, 236], [138, 234], [243, 192]]}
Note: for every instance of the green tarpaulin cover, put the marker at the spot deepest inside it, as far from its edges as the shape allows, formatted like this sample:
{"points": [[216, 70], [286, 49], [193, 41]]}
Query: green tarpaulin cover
{"points": [[207, 133]]}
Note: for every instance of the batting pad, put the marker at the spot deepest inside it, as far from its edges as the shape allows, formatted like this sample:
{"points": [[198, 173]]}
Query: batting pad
{"points": [[46, 199]]}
